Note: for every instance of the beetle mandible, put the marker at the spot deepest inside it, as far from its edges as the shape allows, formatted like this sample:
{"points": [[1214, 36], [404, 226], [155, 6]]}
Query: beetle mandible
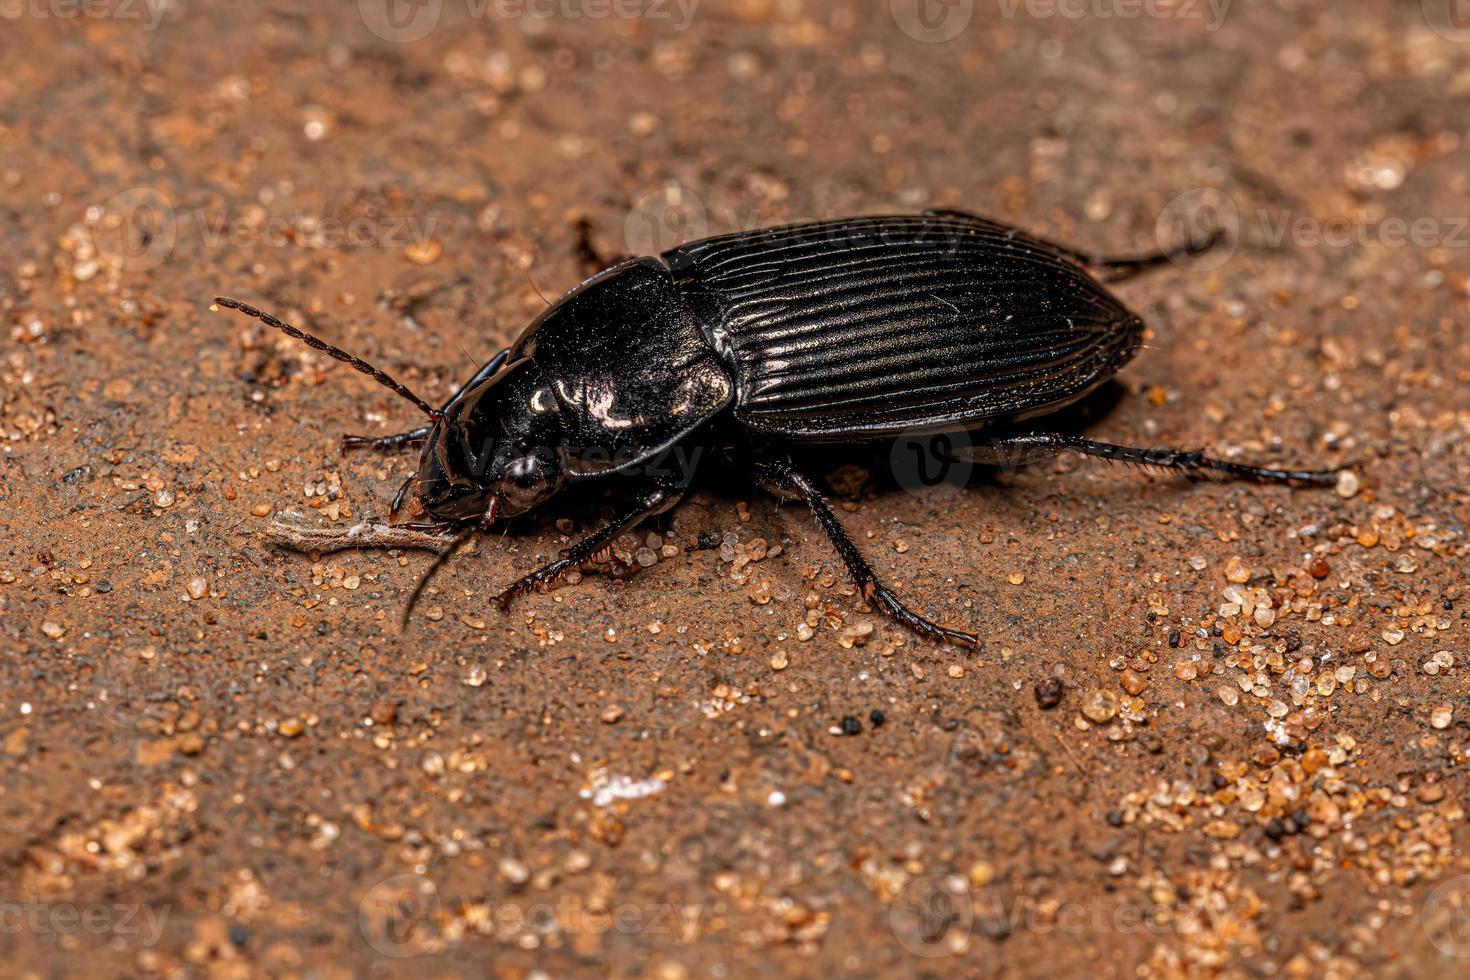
{"points": [[846, 331]]}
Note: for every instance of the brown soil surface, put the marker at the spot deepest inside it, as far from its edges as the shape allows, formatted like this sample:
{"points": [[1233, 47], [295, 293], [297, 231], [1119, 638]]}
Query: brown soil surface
{"points": [[220, 757]]}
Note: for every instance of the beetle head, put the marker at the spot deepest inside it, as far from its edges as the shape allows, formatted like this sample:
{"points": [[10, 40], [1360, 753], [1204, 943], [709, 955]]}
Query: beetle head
{"points": [[497, 452]]}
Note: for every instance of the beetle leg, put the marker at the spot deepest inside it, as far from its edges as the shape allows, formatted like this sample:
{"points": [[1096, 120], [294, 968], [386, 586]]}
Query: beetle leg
{"points": [[654, 500], [1016, 450], [784, 475], [588, 253], [1119, 268], [399, 440]]}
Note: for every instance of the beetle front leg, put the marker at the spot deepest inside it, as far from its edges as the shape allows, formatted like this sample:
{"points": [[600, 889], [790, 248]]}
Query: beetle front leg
{"points": [[417, 437], [399, 440], [1017, 450], [655, 500], [783, 474]]}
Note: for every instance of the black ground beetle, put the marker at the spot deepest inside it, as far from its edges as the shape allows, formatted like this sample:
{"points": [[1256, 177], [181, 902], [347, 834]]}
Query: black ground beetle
{"points": [[766, 343]]}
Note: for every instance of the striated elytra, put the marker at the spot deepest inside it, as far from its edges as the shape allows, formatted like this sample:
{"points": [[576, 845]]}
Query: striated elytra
{"points": [[758, 343]]}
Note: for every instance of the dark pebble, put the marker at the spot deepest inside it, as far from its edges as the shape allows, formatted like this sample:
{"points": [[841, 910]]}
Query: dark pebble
{"points": [[1048, 693], [851, 726], [877, 718]]}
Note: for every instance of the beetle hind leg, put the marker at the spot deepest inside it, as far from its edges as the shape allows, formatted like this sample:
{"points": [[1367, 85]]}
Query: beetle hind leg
{"points": [[1118, 268], [1021, 449], [784, 478]]}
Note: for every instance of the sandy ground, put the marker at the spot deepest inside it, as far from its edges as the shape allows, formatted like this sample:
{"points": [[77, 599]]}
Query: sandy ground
{"points": [[219, 757]]}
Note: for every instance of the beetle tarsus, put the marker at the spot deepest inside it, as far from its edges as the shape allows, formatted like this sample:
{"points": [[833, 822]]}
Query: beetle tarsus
{"points": [[783, 473], [877, 594]]}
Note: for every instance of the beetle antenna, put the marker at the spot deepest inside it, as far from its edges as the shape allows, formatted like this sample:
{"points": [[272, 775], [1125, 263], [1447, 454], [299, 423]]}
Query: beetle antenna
{"points": [[440, 560], [380, 376], [538, 289]]}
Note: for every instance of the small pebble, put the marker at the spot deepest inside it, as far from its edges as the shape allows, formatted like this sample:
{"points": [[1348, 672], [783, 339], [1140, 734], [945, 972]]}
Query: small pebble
{"points": [[198, 587], [851, 726], [1237, 571], [611, 714], [1441, 716], [291, 727], [1347, 484], [1100, 706], [514, 871], [54, 630]]}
